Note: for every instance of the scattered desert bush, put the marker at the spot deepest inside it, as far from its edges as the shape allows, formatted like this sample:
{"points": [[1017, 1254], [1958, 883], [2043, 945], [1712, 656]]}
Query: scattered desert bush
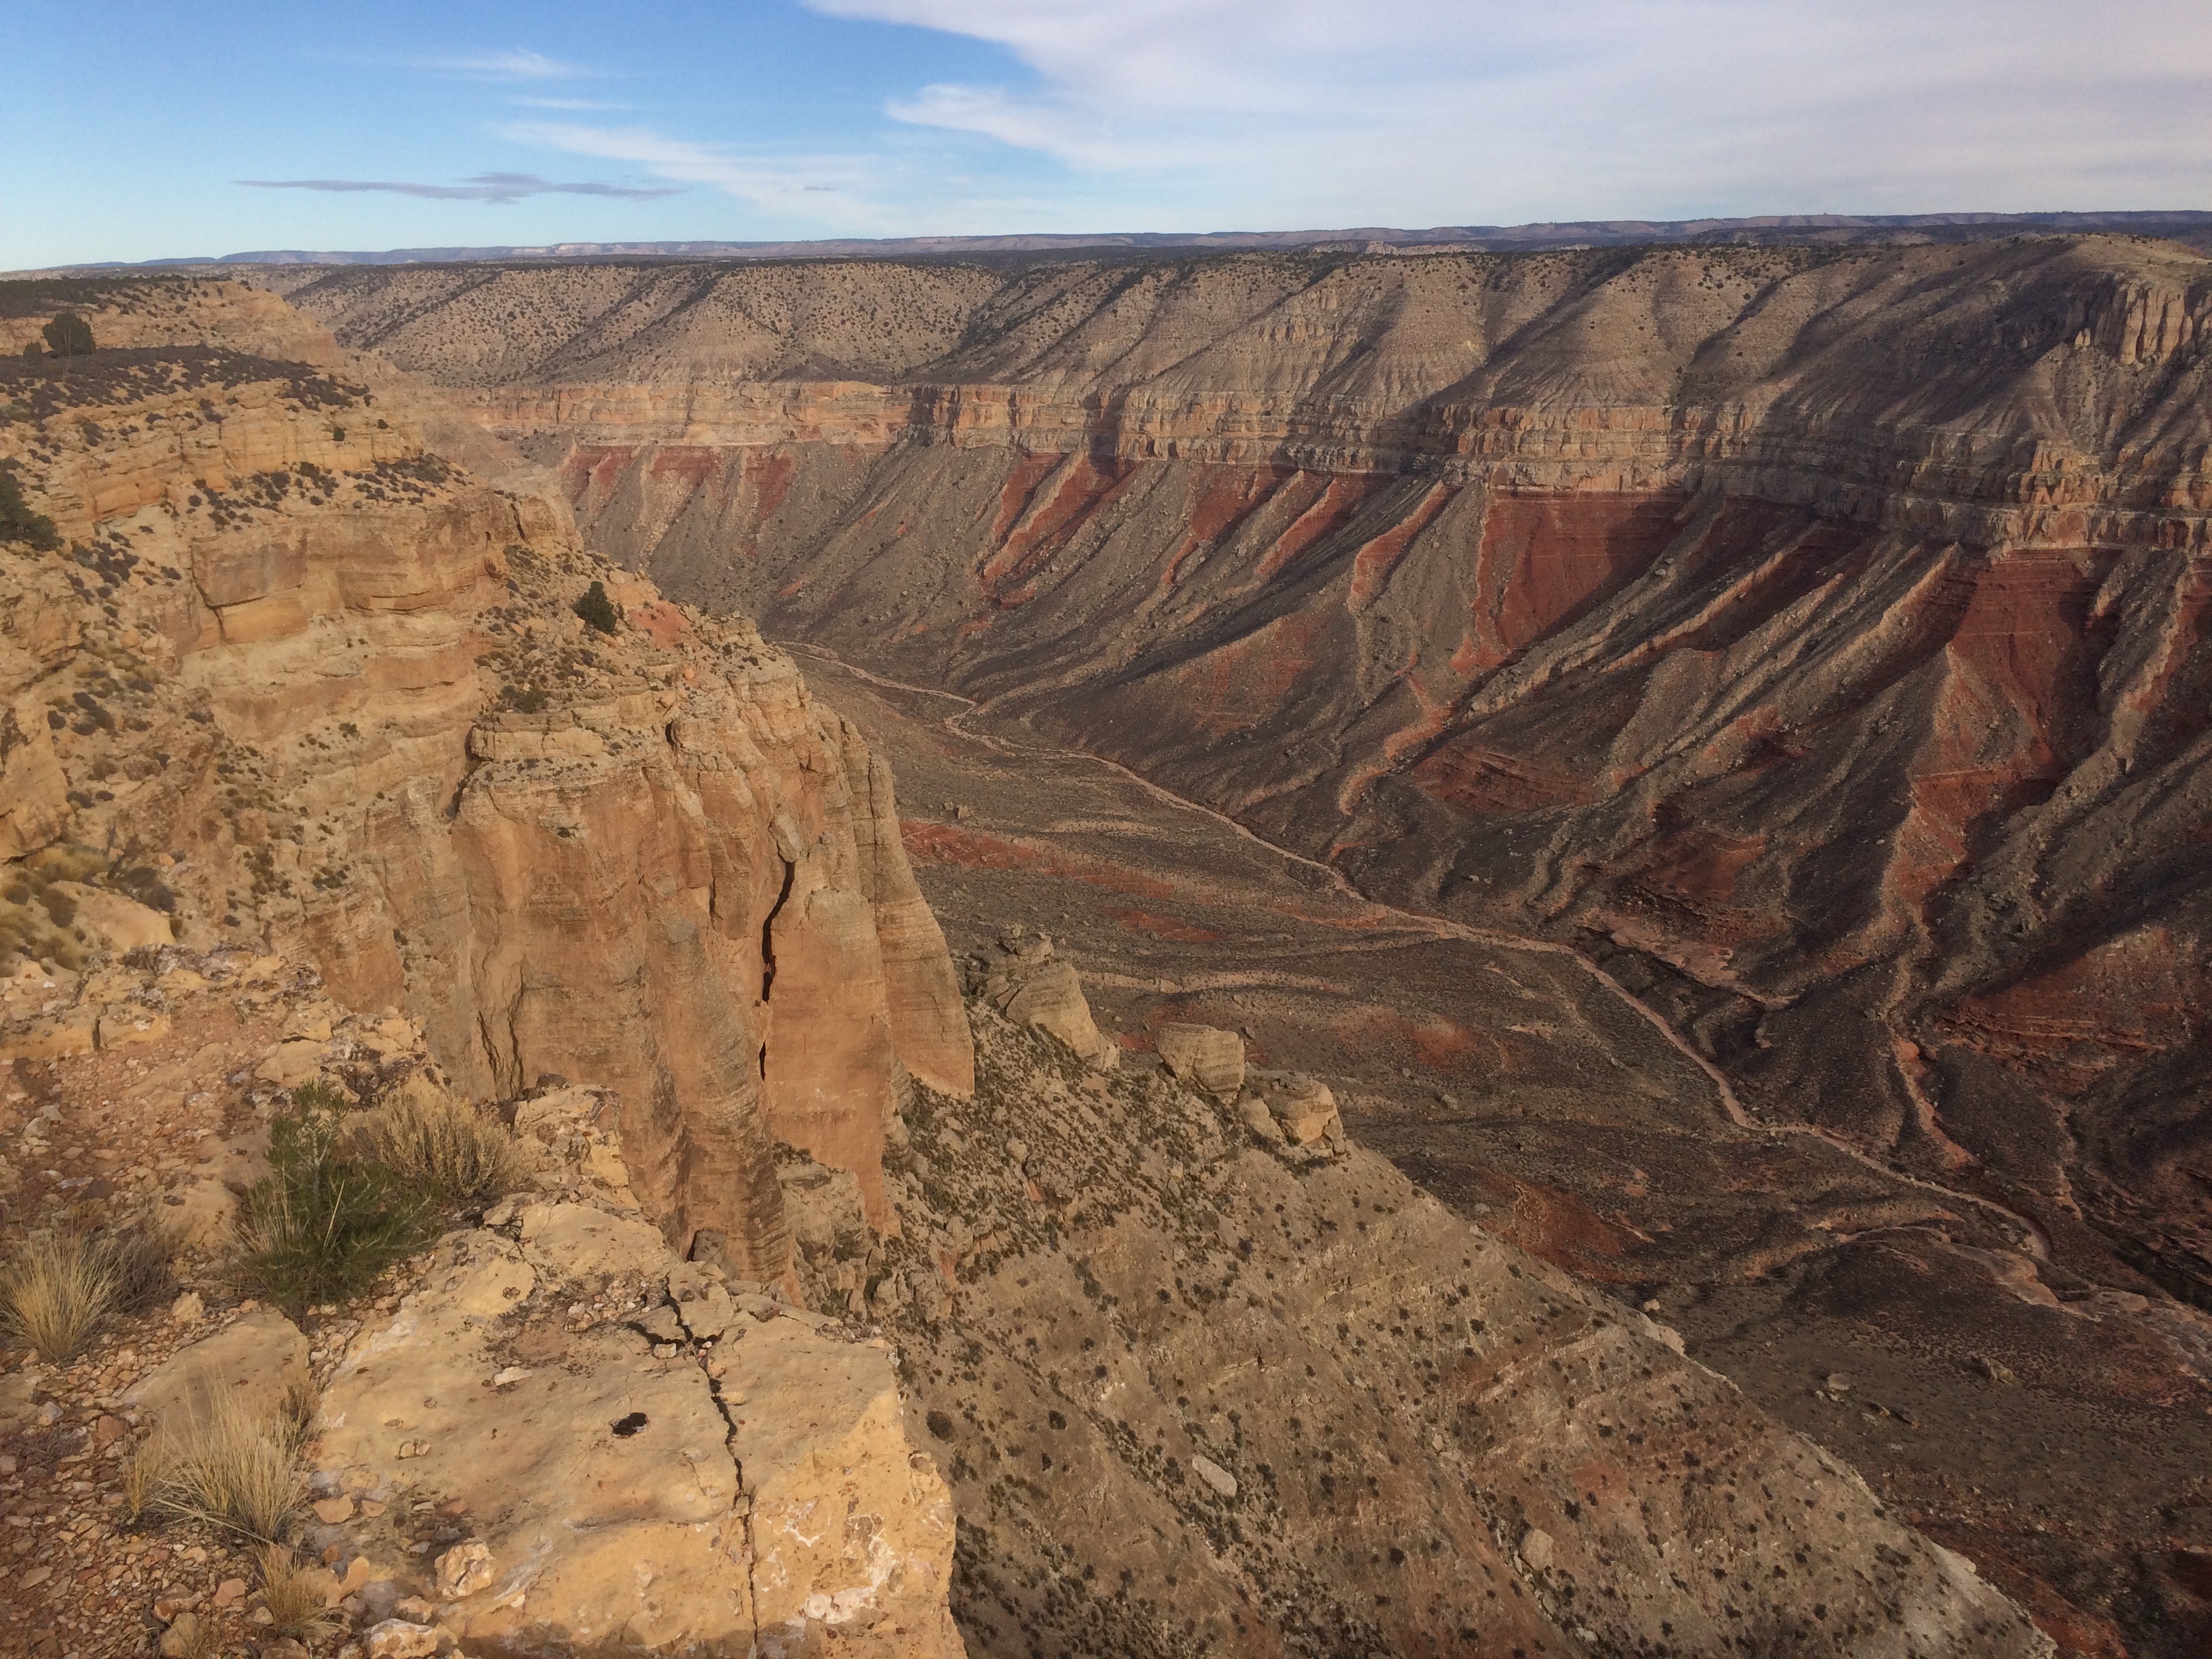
{"points": [[17, 522], [68, 335], [144, 1254], [57, 1291], [330, 1216], [597, 611], [294, 1595], [229, 1469], [442, 1146]]}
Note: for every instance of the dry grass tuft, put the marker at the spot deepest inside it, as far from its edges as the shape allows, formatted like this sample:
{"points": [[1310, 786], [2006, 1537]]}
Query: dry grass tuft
{"points": [[294, 1595], [142, 1252], [232, 1470], [141, 1477], [436, 1144], [57, 1291]]}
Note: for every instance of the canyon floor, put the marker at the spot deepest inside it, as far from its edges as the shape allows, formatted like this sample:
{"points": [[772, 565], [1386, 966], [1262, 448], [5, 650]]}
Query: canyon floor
{"points": [[2057, 1434]]}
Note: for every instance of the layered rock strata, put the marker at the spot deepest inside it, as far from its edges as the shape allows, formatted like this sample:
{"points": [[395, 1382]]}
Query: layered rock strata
{"points": [[1817, 636], [326, 688]]}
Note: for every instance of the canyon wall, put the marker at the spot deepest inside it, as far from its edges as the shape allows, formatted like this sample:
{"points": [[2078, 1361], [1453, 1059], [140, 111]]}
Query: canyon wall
{"points": [[1816, 636], [308, 667], [331, 685]]}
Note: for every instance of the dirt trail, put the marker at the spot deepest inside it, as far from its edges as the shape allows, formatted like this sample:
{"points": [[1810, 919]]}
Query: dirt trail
{"points": [[1425, 928]]}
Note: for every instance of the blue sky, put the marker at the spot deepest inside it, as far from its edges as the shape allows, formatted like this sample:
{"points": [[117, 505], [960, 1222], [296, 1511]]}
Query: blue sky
{"points": [[140, 130]]}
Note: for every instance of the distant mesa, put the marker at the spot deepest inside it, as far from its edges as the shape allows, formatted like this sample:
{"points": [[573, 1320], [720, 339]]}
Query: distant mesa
{"points": [[1835, 229]]}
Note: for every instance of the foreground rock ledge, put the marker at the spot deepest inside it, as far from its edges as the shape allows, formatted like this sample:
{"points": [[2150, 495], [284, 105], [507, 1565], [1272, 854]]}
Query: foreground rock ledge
{"points": [[611, 1493]]}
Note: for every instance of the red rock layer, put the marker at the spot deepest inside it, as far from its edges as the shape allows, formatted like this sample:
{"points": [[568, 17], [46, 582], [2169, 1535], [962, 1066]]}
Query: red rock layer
{"points": [[1826, 631]]}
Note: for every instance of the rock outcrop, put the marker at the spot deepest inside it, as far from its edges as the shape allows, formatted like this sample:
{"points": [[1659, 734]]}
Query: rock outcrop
{"points": [[1212, 1058], [621, 1479], [1020, 977], [327, 690]]}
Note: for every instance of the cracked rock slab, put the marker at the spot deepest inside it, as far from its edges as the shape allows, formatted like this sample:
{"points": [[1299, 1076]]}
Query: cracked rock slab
{"points": [[604, 1484], [852, 1529]]}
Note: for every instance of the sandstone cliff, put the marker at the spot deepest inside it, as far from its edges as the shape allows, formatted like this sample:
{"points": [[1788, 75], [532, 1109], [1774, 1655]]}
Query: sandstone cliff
{"points": [[331, 686], [544, 1436]]}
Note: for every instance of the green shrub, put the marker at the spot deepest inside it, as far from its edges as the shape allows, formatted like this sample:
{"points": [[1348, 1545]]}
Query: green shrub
{"points": [[597, 611], [329, 1218], [17, 522], [69, 335]]}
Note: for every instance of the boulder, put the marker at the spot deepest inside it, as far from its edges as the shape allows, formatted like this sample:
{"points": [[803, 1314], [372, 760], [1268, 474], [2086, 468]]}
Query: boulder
{"points": [[1204, 1054], [1304, 1106], [463, 1571], [1022, 979], [257, 1365], [123, 924], [707, 1316], [1260, 1121], [1223, 1483]]}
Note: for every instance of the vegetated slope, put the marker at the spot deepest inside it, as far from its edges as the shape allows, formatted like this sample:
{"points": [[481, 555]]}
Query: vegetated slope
{"points": [[1200, 1391], [1821, 632]]}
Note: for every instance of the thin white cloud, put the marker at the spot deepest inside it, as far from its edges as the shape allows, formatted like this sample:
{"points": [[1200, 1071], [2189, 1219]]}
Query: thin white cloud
{"points": [[835, 188], [575, 104], [500, 189], [516, 63], [1448, 111]]}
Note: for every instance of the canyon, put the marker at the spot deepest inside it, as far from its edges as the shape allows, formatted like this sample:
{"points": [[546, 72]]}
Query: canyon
{"points": [[1819, 634], [1810, 638], [1711, 799]]}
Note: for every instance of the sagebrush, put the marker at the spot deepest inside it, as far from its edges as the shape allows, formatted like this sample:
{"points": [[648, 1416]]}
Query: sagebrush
{"points": [[442, 1146]]}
